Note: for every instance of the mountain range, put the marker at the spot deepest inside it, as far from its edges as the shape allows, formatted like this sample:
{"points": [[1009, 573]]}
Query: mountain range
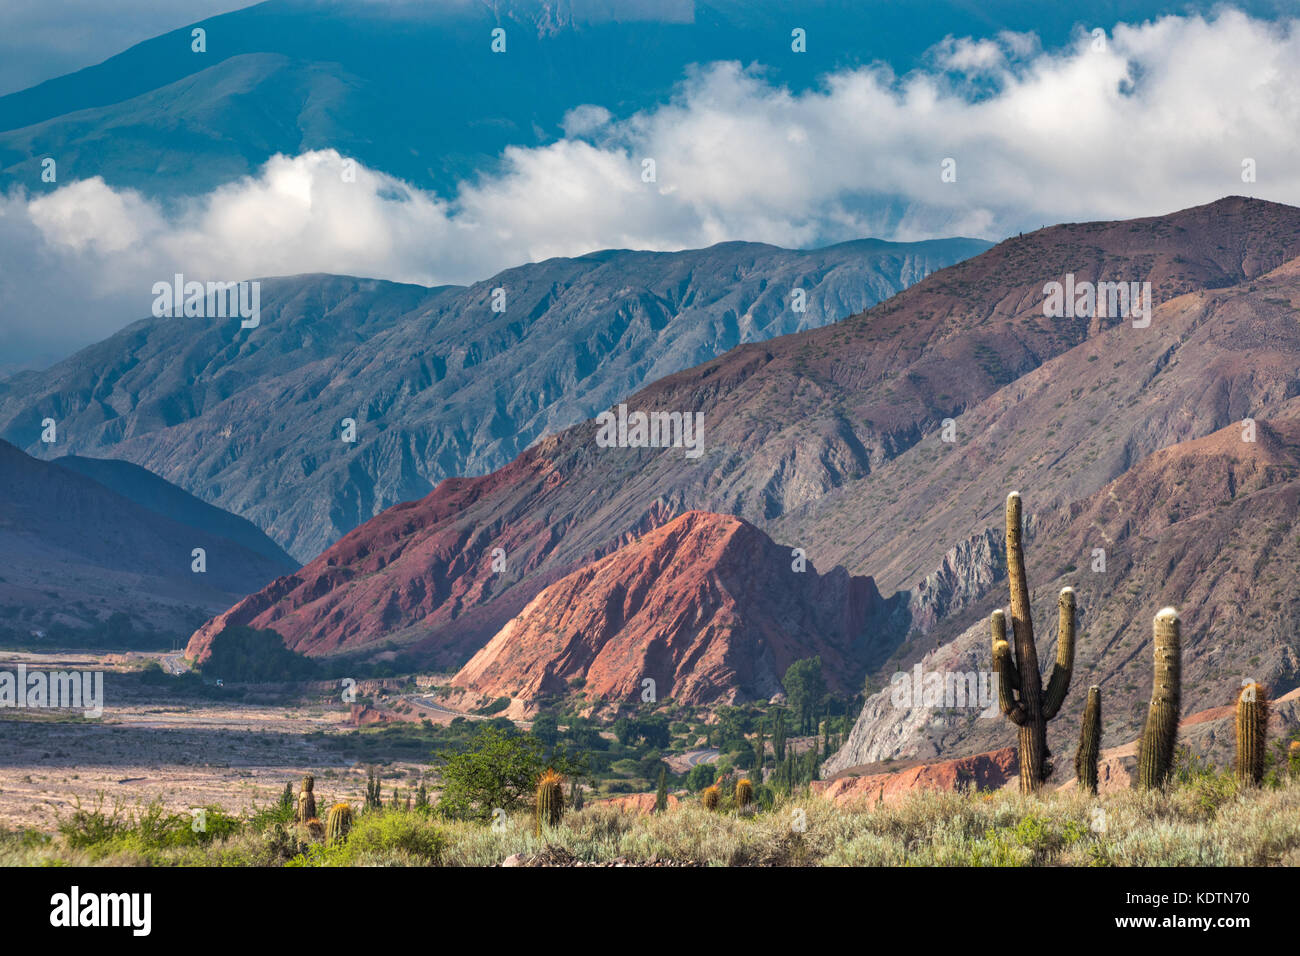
{"points": [[438, 383], [288, 76], [832, 440]]}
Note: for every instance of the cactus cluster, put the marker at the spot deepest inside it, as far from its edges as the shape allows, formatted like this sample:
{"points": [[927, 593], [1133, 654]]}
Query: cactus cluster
{"points": [[550, 800], [338, 823], [1160, 735], [1085, 761], [1252, 734], [1021, 695]]}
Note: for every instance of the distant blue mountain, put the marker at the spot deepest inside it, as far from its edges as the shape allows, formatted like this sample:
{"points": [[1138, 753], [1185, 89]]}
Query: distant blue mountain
{"points": [[414, 90], [144, 488]]}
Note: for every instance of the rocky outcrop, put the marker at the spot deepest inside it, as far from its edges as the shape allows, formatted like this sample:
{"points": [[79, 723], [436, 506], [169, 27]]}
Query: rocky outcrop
{"points": [[707, 607], [986, 771], [642, 803], [967, 573]]}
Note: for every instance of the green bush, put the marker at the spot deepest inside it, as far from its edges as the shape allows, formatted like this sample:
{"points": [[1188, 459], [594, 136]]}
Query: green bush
{"points": [[382, 836]]}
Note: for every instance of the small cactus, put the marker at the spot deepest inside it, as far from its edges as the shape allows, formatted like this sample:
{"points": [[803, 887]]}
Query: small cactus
{"points": [[744, 793], [1252, 734], [710, 797], [1293, 757], [1085, 761], [306, 800], [1159, 736], [315, 829], [550, 800], [338, 823]]}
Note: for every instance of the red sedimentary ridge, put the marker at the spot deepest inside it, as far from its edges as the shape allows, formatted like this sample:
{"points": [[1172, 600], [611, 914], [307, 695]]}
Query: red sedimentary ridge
{"points": [[707, 606]]}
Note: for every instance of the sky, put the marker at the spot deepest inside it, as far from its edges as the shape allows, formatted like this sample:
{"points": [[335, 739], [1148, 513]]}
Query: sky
{"points": [[996, 135]]}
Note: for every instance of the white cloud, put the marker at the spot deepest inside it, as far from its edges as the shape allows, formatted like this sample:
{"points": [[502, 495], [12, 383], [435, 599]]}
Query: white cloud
{"points": [[1159, 120]]}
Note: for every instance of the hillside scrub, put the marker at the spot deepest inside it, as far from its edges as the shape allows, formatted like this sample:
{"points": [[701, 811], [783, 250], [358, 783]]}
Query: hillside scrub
{"points": [[1205, 819]]}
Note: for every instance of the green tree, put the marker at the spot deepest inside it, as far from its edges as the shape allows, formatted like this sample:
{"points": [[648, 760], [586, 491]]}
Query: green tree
{"points": [[804, 689], [497, 770], [546, 729], [661, 795], [624, 731], [699, 777], [241, 653]]}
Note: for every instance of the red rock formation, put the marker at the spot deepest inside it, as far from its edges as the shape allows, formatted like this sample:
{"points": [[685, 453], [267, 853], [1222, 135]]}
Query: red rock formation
{"points": [[643, 803], [986, 771], [707, 606]]}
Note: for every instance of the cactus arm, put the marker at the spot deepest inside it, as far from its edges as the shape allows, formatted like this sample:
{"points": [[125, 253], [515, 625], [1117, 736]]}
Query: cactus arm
{"points": [[998, 623], [1005, 668], [1059, 684]]}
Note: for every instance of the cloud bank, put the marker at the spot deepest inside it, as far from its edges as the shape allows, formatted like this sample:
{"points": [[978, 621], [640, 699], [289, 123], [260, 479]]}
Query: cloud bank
{"points": [[1144, 120]]}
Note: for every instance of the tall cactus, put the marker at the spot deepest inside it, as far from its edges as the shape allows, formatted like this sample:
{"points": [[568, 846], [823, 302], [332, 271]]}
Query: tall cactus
{"points": [[338, 823], [1252, 734], [744, 793], [1160, 735], [1085, 761], [550, 800], [306, 800], [1021, 695]]}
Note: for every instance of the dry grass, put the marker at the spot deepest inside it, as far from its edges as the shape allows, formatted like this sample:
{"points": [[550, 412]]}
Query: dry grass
{"points": [[1206, 822]]}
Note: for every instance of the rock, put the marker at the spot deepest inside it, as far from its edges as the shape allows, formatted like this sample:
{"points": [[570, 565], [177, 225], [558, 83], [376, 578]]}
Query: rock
{"points": [[986, 771], [643, 803], [721, 625]]}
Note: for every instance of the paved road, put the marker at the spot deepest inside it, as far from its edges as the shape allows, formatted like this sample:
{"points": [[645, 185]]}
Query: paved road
{"points": [[174, 663], [425, 700], [695, 757]]}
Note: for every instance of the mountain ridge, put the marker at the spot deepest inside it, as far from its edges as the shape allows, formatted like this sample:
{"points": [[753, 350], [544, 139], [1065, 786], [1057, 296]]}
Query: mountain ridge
{"points": [[788, 421], [438, 383]]}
